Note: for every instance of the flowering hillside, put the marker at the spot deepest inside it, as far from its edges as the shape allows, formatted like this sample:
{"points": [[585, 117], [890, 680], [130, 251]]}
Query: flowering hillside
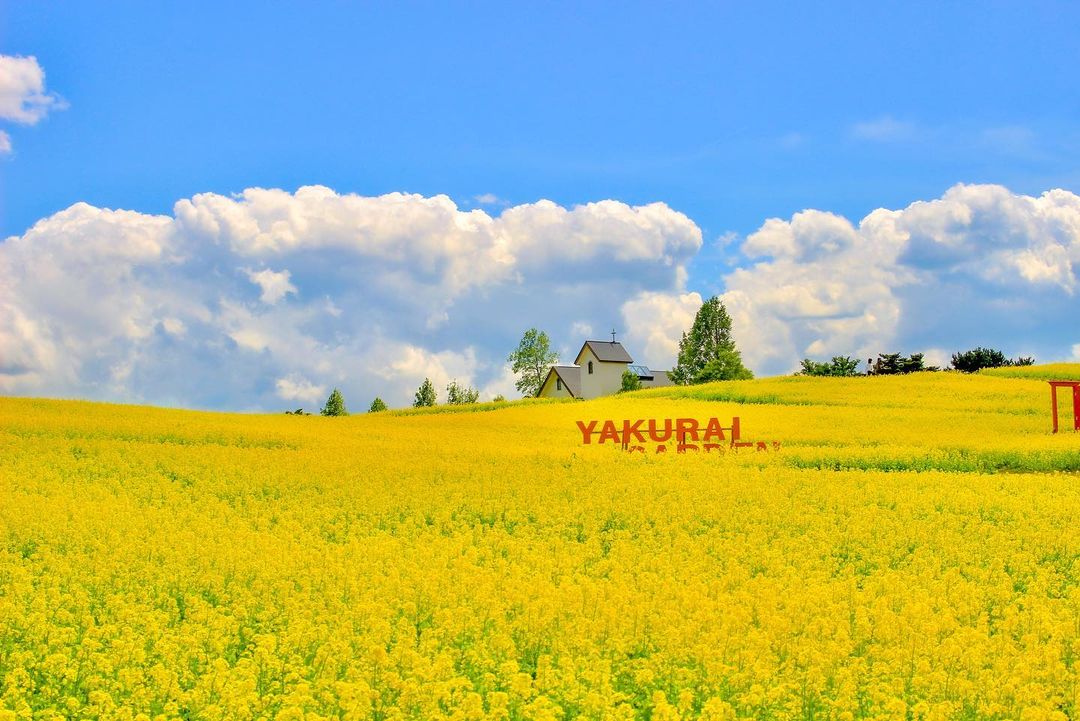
{"points": [[911, 551]]}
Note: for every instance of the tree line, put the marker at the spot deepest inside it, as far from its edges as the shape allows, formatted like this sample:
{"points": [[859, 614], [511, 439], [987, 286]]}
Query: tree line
{"points": [[968, 361], [707, 353], [457, 394]]}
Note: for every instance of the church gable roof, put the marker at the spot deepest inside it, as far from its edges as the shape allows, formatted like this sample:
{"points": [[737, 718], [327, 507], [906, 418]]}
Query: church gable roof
{"points": [[606, 351], [570, 376]]}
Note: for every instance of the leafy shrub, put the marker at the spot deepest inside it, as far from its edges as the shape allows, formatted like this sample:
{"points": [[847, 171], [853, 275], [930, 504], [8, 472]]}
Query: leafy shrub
{"points": [[888, 364], [726, 366], [630, 381], [459, 395]]}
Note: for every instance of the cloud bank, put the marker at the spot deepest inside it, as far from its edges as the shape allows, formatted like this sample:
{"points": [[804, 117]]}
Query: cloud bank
{"points": [[980, 265], [268, 299]]}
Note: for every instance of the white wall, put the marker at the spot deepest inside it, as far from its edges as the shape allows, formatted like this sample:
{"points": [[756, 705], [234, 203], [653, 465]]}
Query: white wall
{"points": [[550, 389], [659, 381], [606, 378]]}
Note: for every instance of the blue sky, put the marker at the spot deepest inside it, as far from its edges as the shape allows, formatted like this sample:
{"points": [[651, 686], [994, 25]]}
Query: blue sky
{"points": [[729, 115]]}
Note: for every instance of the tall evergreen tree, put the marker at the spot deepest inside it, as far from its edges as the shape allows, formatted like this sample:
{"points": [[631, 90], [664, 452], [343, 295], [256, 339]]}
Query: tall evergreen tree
{"points": [[708, 345], [531, 361], [425, 395], [335, 405], [377, 405]]}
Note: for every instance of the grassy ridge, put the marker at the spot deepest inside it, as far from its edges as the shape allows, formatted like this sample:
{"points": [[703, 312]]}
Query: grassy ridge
{"points": [[1047, 372], [927, 421]]}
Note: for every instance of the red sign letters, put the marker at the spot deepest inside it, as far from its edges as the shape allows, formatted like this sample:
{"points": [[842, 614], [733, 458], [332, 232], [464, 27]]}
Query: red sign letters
{"points": [[686, 434]]}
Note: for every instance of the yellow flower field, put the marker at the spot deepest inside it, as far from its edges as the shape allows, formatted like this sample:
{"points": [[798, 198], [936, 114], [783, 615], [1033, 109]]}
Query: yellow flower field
{"points": [[911, 552]]}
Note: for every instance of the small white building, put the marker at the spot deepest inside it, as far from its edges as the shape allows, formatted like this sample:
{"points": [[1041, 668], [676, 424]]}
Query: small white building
{"points": [[597, 371]]}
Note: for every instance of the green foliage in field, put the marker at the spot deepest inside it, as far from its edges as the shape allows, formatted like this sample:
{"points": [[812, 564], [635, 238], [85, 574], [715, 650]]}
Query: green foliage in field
{"points": [[425, 395], [630, 382], [838, 366], [335, 405], [459, 394]]}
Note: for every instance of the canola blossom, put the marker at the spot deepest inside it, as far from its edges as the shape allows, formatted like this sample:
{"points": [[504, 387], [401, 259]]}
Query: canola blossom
{"points": [[912, 552]]}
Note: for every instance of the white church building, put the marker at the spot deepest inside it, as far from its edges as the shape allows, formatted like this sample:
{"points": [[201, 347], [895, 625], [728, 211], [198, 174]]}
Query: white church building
{"points": [[597, 371]]}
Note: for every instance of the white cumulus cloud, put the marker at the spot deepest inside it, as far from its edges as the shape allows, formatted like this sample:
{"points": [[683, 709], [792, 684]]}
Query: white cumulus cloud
{"points": [[980, 265], [298, 388], [190, 308], [274, 285], [655, 322], [382, 292], [23, 97]]}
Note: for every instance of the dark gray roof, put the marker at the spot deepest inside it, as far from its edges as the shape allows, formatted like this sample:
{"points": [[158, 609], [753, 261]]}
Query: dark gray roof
{"points": [[571, 378], [606, 351]]}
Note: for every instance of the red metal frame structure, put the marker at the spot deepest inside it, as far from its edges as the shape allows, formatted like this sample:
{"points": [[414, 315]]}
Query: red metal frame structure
{"points": [[1075, 385]]}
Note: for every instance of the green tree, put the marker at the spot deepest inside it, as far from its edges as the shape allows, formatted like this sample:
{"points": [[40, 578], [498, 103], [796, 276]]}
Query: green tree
{"points": [[630, 381], [843, 365], [499, 399], [978, 358], [840, 365], [726, 366], [912, 364], [888, 364], [459, 395], [709, 341], [376, 405], [335, 405], [425, 395], [531, 361]]}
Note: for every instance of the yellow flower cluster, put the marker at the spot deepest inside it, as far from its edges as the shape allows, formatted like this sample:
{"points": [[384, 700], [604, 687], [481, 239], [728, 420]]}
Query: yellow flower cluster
{"points": [[159, 564]]}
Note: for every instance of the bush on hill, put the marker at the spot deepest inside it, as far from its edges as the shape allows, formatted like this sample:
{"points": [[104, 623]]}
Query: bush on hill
{"points": [[840, 365], [976, 359], [425, 395], [630, 381], [459, 395], [888, 364]]}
